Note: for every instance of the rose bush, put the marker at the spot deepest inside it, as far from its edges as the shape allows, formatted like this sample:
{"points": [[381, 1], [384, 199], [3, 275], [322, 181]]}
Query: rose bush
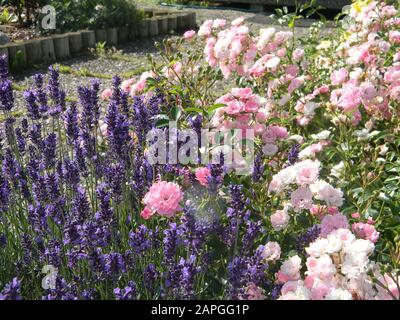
{"points": [[316, 217]]}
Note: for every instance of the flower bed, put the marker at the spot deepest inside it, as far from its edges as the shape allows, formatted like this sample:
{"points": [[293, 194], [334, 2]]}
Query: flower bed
{"points": [[130, 194]]}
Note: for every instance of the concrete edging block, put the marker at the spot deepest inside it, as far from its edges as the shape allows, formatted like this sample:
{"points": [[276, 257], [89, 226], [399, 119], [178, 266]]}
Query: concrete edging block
{"points": [[61, 46], [34, 52], [17, 55], [88, 39]]}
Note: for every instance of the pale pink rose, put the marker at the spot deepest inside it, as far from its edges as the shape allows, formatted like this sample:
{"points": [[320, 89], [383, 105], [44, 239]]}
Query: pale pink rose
{"points": [[163, 198], [298, 54], [259, 129], [205, 28], [307, 172], [219, 23], [333, 210], [292, 70], [303, 121], [330, 223], [127, 84], [271, 251], [339, 76], [262, 115], [280, 219], [106, 94], [189, 35], [290, 269], [301, 199], [365, 231], [273, 63], [146, 213], [238, 21], [320, 290], [394, 36], [202, 175]]}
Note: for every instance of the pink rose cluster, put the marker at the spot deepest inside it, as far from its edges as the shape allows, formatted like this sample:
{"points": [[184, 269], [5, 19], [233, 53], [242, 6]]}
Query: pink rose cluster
{"points": [[232, 49], [242, 109], [365, 52], [337, 269], [163, 198]]}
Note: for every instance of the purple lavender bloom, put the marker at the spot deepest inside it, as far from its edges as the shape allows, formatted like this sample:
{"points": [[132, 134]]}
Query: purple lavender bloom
{"points": [[81, 206], [253, 230], [71, 122], [118, 132], [3, 68], [150, 277], [115, 177], [88, 109], [5, 192], [49, 150], [276, 291], [116, 96], [113, 264], [12, 291], [40, 93], [293, 155], [309, 236], [171, 242], [6, 95], [54, 85], [21, 142], [80, 155], [63, 291], [258, 169], [70, 170], [127, 293], [31, 105], [141, 239]]}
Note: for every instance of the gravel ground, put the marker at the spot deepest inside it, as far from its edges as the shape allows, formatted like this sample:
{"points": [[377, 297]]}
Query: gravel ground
{"points": [[135, 53]]}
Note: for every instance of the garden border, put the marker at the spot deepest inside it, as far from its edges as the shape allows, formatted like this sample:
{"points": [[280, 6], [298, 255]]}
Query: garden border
{"points": [[59, 47]]}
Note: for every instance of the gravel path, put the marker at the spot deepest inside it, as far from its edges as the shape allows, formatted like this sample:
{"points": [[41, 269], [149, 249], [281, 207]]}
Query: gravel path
{"points": [[135, 54]]}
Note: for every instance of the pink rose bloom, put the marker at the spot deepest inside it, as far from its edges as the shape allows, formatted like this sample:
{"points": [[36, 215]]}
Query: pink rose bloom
{"points": [[301, 199], [163, 198], [127, 84], [394, 36], [365, 231], [202, 175], [271, 251], [262, 115], [106, 94], [307, 172], [290, 270], [189, 35], [339, 76], [330, 223], [259, 129], [317, 210], [298, 54], [280, 219], [355, 215], [279, 132], [146, 213], [219, 23], [238, 21]]}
